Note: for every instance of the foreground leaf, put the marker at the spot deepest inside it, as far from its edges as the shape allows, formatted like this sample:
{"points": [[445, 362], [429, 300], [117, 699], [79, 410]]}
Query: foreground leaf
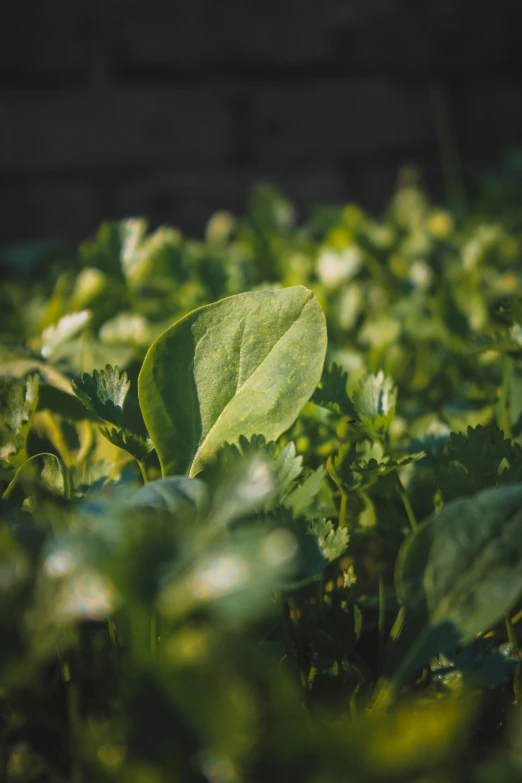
{"points": [[456, 577], [243, 366]]}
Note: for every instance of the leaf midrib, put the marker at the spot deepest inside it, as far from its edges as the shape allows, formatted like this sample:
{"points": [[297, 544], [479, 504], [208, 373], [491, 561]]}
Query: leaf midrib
{"points": [[239, 389]]}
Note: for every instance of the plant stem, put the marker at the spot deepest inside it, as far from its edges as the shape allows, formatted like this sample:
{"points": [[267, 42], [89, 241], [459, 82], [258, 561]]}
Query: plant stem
{"points": [[515, 652], [504, 405], [406, 503], [143, 471], [294, 650], [154, 634], [381, 621], [75, 723], [342, 509]]}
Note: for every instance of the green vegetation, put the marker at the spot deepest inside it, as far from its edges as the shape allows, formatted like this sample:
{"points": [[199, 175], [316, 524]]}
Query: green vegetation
{"points": [[233, 549]]}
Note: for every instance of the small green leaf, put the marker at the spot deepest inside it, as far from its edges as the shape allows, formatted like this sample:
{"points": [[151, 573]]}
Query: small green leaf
{"points": [[350, 472], [103, 393], [302, 497], [332, 391], [473, 461], [332, 541], [374, 399], [243, 366], [138, 447]]}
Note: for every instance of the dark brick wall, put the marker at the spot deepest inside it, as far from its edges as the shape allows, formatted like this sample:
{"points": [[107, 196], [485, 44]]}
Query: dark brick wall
{"points": [[172, 109]]}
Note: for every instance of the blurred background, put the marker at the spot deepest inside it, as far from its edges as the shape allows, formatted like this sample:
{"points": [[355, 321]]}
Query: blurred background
{"points": [[172, 110]]}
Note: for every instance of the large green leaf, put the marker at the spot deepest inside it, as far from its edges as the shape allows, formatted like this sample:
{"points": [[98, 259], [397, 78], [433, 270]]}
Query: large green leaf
{"points": [[243, 366], [456, 577]]}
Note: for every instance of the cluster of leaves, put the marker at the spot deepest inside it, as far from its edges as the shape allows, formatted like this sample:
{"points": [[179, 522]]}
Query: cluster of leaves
{"points": [[231, 550]]}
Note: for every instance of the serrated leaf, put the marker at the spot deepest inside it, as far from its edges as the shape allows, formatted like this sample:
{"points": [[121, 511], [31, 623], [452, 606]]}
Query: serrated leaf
{"points": [[473, 461], [332, 391], [352, 473], [374, 399], [285, 465], [332, 541], [302, 497], [138, 447], [103, 393], [243, 366]]}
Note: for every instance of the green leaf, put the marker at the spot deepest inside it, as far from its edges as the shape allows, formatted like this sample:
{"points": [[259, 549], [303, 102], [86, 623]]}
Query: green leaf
{"points": [[243, 366], [103, 393], [332, 541], [17, 363], [457, 576], [302, 497], [41, 473], [285, 466], [351, 472], [332, 391], [174, 495], [374, 399], [62, 332], [18, 402], [138, 447], [473, 461]]}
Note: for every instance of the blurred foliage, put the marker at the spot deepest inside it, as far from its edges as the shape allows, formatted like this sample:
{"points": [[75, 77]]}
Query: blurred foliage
{"points": [[340, 604]]}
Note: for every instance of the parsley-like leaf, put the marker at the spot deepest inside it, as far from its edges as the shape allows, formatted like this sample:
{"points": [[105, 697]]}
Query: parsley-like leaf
{"points": [[133, 444], [103, 393], [331, 392]]}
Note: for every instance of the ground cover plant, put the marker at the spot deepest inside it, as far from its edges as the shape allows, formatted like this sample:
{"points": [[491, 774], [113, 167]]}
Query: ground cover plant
{"points": [[261, 513]]}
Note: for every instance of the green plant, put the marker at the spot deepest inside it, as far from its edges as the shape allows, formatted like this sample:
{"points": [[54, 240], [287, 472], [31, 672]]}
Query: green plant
{"points": [[223, 557]]}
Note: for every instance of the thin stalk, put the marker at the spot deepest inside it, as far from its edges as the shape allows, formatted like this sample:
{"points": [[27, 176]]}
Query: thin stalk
{"points": [[292, 647], [515, 652], [320, 590], [154, 635], [504, 405], [343, 509], [406, 503], [381, 621], [75, 723], [143, 470]]}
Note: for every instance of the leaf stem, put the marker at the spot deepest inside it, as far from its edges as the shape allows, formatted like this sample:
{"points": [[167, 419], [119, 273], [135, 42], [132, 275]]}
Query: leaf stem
{"points": [[154, 634], [343, 509], [293, 645], [381, 621], [406, 503], [504, 405], [74, 718], [143, 470]]}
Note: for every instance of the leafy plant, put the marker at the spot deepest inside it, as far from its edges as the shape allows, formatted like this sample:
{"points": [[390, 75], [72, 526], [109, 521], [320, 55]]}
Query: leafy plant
{"points": [[225, 558]]}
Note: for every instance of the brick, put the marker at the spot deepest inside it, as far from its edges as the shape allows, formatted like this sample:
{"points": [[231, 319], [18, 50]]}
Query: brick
{"points": [[45, 209], [117, 127], [340, 120]]}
